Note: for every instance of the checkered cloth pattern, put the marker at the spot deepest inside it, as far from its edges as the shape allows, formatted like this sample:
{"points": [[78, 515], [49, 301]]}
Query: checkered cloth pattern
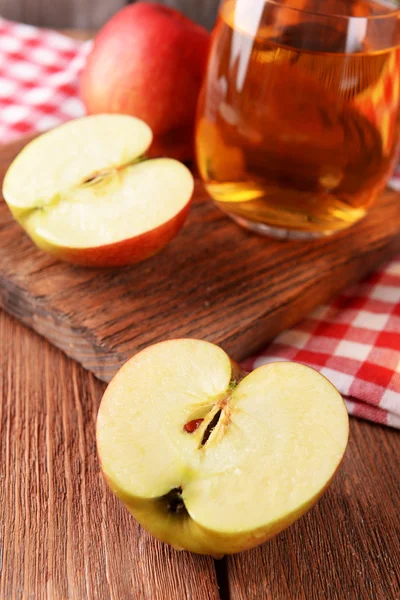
{"points": [[354, 341], [38, 79]]}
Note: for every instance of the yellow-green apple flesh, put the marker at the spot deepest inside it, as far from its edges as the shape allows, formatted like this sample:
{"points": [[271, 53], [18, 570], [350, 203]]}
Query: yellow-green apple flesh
{"points": [[85, 193], [212, 459], [149, 61]]}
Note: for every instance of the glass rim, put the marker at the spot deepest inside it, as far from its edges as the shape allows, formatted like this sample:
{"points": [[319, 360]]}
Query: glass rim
{"points": [[395, 13]]}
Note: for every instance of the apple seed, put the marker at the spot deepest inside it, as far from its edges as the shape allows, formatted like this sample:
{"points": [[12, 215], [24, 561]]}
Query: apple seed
{"points": [[210, 427], [94, 179], [99, 176], [193, 425]]}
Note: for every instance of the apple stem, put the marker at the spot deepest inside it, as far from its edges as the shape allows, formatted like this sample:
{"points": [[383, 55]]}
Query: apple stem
{"points": [[232, 384]]}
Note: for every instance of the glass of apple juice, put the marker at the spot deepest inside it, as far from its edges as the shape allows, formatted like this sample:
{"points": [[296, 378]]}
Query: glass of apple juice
{"points": [[298, 120]]}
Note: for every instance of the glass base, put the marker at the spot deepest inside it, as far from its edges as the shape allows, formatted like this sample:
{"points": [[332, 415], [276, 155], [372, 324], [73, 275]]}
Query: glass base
{"points": [[280, 233]]}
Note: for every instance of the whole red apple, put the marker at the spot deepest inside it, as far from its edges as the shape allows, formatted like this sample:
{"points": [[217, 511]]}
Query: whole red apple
{"points": [[148, 61]]}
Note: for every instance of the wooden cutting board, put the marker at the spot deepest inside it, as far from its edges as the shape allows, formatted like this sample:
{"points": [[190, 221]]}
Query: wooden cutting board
{"points": [[215, 281]]}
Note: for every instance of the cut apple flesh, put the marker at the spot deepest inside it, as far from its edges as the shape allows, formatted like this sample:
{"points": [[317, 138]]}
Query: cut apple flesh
{"points": [[86, 185], [114, 206], [65, 157], [268, 444]]}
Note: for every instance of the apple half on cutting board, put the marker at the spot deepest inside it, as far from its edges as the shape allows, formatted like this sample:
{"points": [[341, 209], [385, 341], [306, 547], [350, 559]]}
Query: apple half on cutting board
{"points": [[210, 458], [86, 193]]}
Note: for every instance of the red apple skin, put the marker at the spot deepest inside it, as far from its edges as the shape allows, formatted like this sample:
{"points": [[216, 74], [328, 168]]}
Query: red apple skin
{"points": [[124, 252], [149, 61]]}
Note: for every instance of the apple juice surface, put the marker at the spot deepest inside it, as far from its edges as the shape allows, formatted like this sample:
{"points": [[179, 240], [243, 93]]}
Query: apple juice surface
{"points": [[298, 119]]}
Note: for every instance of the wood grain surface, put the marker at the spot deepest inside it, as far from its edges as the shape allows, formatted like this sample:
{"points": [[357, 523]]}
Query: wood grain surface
{"points": [[92, 14], [64, 536], [348, 546], [214, 281], [61, 13]]}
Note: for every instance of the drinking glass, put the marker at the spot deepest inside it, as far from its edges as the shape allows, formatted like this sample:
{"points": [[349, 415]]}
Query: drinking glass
{"points": [[298, 119]]}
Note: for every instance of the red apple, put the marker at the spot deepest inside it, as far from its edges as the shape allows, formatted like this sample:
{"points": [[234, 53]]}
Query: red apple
{"points": [[210, 458], [86, 193], [148, 61]]}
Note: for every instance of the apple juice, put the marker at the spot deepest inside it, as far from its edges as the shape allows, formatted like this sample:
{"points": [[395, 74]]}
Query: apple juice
{"points": [[298, 118]]}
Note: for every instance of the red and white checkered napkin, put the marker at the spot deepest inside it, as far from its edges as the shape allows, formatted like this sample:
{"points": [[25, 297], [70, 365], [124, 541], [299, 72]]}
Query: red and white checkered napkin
{"points": [[38, 79], [354, 341]]}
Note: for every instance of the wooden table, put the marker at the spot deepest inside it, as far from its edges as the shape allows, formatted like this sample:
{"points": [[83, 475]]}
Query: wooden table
{"points": [[64, 536], [94, 13]]}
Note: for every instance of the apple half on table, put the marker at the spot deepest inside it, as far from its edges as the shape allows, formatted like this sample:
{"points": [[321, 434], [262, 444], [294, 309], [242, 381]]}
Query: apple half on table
{"points": [[212, 459], [86, 193]]}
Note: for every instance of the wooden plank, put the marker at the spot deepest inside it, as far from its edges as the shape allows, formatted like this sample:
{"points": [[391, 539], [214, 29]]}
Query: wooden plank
{"points": [[62, 533], [203, 12], [214, 281], [58, 13], [347, 546], [91, 14]]}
